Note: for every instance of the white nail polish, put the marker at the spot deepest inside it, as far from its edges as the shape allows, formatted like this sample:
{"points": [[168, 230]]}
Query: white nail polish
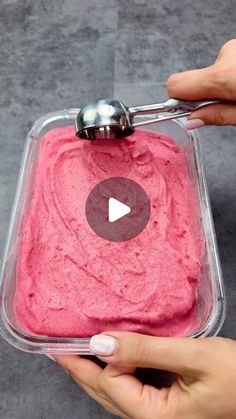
{"points": [[102, 345], [194, 123]]}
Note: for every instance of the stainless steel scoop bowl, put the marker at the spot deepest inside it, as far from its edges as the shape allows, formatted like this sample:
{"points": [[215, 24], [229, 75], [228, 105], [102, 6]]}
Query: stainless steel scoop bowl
{"points": [[111, 119]]}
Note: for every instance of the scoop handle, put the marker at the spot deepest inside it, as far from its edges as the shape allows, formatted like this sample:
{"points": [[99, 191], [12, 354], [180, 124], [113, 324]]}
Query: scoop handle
{"points": [[172, 106]]}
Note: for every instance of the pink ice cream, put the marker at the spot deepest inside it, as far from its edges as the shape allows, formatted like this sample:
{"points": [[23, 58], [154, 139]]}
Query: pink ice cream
{"points": [[72, 283]]}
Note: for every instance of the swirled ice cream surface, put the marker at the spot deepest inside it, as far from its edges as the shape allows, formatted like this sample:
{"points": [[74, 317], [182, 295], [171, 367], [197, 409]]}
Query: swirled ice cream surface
{"points": [[71, 282]]}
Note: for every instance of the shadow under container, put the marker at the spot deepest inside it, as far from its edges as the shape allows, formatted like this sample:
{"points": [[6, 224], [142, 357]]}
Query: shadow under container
{"points": [[211, 305]]}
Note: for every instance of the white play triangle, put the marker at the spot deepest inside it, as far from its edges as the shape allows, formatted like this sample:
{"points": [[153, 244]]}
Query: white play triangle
{"points": [[116, 210]]}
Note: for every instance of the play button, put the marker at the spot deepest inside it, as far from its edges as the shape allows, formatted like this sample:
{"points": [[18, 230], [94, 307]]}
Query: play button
{"points": [[117, 209]]}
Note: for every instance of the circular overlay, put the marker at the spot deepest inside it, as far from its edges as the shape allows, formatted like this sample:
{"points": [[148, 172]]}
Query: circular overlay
{"points": [[108, 199]]}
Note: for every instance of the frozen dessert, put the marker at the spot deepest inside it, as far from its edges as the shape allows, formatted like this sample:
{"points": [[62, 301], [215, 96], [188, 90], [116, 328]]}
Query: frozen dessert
{"points": [[72, 283]]}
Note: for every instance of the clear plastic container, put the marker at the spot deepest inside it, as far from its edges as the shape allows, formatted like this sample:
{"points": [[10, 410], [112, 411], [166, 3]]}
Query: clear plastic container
{"points": [[211, 303]]}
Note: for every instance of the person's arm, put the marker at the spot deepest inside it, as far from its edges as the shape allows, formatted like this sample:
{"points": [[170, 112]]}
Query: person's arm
{"points": [[215, 82], [204, 387]]}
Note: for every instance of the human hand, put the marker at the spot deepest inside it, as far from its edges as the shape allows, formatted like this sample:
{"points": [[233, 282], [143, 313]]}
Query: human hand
{"points": [[204, 387], [215, 82]]}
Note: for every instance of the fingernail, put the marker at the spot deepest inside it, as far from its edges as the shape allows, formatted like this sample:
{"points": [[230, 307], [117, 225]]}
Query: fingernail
{"points": [[194, 123], [103, 345]]}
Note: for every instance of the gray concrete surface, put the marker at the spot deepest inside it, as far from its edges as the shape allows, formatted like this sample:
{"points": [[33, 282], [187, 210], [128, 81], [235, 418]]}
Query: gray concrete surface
{"points": [[64, 52]]}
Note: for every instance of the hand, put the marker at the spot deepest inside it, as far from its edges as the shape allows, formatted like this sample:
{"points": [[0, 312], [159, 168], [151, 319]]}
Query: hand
{"points": [[215, 82], [204, 387]]}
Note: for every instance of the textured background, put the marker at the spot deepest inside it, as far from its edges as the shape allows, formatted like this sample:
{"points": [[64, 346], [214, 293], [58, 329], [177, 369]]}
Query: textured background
{"points": [[61, 54]]}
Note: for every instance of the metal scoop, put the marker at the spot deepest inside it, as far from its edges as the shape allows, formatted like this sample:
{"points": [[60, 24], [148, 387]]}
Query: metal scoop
{"points": [[110, 119]]}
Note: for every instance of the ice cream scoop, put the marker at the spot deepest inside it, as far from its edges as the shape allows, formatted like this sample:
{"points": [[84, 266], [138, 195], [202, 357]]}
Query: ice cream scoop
{"points": [[111, 119]]}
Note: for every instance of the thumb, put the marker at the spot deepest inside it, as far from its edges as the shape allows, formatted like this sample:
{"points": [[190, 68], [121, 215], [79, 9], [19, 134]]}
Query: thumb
{"points": [[179, 355], [195, 84], [204, 83], [221, 114]]}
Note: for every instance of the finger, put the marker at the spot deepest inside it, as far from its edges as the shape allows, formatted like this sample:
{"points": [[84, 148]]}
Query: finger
{"points": [[179, 355], [222, 114], [226, 50], [134, 398], [85, 373], [213, 82], [196, 85], [105, 403]]}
